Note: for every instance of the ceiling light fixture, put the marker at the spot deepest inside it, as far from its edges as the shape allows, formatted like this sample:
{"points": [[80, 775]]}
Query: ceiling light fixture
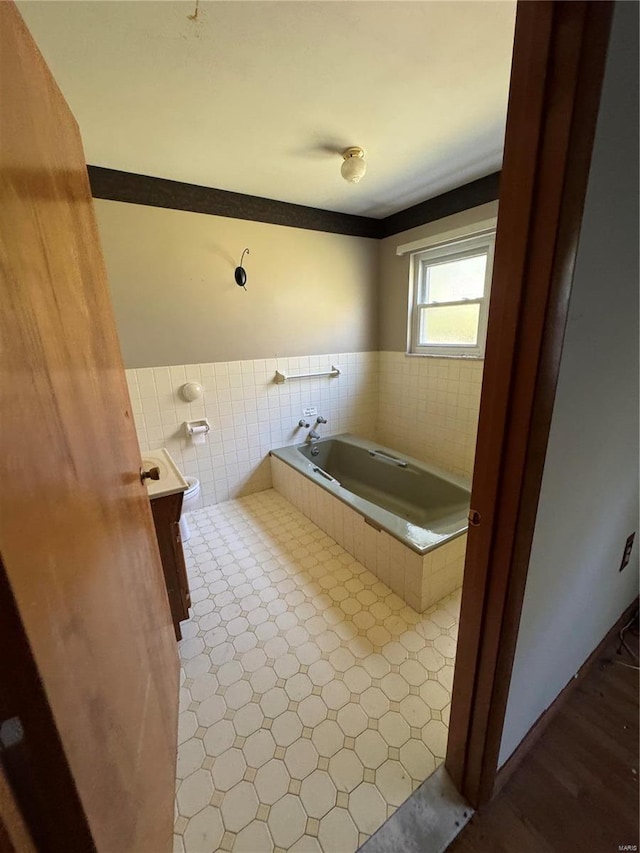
{"points": [[354, 166]]}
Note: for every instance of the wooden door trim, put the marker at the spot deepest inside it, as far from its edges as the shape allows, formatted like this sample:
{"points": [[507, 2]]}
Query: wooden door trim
{"points": [[35, 767], [556, 80], [14, 832]]}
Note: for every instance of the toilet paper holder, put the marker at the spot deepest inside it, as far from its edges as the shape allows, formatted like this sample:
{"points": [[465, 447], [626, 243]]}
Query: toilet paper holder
{"points": [[198, 427]]}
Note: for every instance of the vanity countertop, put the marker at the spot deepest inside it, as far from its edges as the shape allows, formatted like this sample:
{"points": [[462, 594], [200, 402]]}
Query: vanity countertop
{"points": [[171, 480]]}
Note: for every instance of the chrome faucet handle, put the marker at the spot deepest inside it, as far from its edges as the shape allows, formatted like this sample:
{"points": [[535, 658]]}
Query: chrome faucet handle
{"points": [[321, 420], [302, 423]]}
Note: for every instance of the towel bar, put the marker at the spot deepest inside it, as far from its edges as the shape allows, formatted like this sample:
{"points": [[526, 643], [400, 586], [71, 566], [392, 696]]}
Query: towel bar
{"points": [[284, 377]]}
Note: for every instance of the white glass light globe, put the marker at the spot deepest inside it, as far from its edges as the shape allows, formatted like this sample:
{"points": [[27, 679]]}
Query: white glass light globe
{"points": [[353, 168]]}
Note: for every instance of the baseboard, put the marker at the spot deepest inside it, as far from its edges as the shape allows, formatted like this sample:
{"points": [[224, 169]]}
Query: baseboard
{"points": [[537, 729]]}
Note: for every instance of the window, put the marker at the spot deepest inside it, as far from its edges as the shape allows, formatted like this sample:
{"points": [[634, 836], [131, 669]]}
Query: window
{"points": [[450, 297]]}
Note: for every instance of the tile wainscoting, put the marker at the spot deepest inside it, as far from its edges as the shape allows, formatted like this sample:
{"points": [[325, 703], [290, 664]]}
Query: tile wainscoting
{"points": [[424, 407], [249, 413], [428, 408]]}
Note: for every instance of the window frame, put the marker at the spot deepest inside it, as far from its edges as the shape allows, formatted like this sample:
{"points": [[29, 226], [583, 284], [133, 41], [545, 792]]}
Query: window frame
{"points": [[459, 248]]}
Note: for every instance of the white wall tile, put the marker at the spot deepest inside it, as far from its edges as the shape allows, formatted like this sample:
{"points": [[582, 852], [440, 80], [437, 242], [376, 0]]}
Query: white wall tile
{"points": [[249, 414], [428, 408], [424, 407]]}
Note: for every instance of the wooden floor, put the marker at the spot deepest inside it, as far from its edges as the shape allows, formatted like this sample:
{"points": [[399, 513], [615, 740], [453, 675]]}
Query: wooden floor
{"points": [[577, 790]]}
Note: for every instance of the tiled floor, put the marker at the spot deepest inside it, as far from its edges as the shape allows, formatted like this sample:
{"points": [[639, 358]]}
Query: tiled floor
{"points": [[313, 700]]}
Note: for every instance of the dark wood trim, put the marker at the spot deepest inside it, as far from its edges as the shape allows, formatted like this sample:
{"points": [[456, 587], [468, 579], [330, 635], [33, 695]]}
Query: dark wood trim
{"points": [[53, 812], [14, 833], [114, 185], [538, 728], [455, 201], [161, 192], [559, 57]]}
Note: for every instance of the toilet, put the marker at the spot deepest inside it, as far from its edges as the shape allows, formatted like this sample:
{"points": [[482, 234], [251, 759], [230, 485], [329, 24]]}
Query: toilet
{"points": [[189, 501]]}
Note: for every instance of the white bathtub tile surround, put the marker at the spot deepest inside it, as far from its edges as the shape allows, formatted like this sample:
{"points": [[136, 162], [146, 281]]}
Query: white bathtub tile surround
{"points": [[424, 407], [420, 580], [428, 408], [249, 413]]}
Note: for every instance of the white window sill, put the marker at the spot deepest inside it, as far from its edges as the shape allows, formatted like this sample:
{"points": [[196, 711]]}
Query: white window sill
{"points": [[437, 355]]}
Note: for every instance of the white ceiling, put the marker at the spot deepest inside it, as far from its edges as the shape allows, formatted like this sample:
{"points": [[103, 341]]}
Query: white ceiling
{"points": [[259, 97]]}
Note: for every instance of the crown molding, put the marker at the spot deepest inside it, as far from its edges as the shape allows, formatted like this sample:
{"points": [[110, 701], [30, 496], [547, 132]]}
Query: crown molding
{"points": [[114, 185]]}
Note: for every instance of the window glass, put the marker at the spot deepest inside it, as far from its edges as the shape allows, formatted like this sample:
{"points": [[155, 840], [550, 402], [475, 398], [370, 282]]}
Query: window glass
{"points": [[454, 325], [450, 281]]}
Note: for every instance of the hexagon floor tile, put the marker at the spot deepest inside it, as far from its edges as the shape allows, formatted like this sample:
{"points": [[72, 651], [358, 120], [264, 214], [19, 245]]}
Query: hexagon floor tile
{"points": [[313, 700]]}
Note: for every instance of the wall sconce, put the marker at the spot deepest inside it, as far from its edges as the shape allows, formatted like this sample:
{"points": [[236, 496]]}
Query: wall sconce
{"points": [[354, 165], [240, 273]]}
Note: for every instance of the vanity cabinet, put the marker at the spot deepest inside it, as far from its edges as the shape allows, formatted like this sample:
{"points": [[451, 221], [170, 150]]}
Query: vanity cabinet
{"points": [[166, 517]]}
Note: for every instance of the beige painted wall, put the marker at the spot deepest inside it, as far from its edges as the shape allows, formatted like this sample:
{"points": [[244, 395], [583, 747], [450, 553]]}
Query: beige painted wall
{"points": [[394, 273], [176, 301]]}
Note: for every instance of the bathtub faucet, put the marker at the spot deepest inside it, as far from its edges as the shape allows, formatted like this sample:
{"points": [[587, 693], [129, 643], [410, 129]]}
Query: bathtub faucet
{"points": [[313, 434]]}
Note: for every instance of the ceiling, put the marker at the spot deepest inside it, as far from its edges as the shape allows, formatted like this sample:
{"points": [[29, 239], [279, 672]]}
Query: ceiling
{"points": [[260, 97]]}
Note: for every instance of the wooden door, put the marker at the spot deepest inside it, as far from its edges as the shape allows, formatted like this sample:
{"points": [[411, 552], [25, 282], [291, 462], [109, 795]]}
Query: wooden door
{"points": [[78, 551]]}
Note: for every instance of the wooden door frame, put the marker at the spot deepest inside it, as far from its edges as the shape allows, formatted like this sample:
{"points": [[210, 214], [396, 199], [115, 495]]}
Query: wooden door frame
{"points": [[34, 767], [14, 832], [556, 79]]}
